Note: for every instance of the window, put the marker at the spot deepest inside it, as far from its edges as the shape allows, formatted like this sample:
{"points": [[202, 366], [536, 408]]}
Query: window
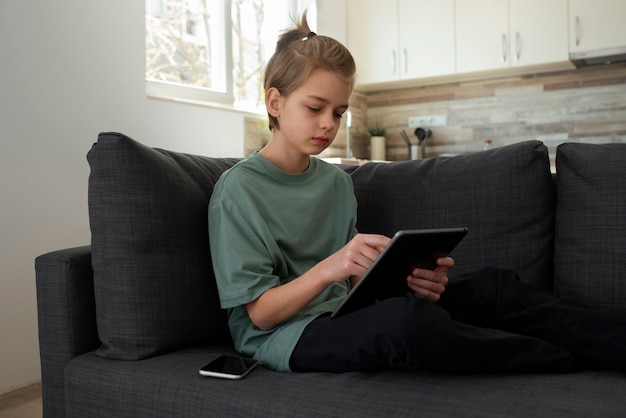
{"points": [[214, 51]]}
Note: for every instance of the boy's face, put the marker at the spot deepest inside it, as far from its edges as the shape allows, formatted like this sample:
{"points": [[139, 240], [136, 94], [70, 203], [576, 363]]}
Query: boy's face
{"points": [[310, 116]]}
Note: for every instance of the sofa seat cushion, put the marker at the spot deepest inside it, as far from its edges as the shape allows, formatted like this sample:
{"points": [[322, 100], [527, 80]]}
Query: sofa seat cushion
{"points": [[504, 196], [170, 386], [590, 231], [153, 280]]}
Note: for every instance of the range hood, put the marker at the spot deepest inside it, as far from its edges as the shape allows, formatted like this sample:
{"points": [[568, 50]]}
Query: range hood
{"points": [[598, 56]]}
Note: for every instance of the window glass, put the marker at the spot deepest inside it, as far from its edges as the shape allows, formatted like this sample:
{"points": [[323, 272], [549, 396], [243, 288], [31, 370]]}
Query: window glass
{"points": [[256, 26], [187, 49], [214, 51]]}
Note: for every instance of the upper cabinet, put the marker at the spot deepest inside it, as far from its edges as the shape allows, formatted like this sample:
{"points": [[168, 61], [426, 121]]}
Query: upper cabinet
{"points": [[482, 30], [401, 39], [538, 32], [597, 24], [373, 45], [426, 44], [497, 34]]}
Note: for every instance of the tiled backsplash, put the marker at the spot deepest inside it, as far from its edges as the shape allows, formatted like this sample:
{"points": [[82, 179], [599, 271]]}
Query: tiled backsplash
{"points": [[584, 105]]}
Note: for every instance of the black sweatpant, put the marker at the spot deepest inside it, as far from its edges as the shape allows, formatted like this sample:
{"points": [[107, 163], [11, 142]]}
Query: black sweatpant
{"points": [[486, 321]]}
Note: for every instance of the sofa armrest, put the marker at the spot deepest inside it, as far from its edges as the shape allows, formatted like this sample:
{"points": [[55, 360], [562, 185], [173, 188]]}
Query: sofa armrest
{"points": [[66, 316]]}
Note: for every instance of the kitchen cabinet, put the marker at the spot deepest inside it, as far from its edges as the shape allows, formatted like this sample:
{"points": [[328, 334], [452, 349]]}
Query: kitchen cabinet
{"points": [[538, 32], [597, 24], [497, 34], [401, 39]]}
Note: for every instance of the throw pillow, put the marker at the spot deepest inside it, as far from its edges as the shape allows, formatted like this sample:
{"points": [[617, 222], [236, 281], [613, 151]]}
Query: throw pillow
{"points": [[153, 279]]}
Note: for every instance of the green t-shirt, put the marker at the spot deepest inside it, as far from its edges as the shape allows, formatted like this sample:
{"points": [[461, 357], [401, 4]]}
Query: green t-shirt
{"points": [[267, 228]]}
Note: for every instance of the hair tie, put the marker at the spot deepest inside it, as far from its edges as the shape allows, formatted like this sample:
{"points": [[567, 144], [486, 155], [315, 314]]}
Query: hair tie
{"points": [[310, 34]]}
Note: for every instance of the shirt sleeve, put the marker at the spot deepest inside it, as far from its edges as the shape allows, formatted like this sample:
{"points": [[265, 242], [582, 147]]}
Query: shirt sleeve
{"points": [[242, 260]]}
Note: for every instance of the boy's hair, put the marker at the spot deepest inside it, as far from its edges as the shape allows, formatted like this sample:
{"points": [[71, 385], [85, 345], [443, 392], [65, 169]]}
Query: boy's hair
{"points": [[298, 53]]}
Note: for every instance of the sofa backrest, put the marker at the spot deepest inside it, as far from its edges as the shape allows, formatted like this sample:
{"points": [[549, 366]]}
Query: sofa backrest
{"points": [[153, 279], [590, 231], [504, 196]]}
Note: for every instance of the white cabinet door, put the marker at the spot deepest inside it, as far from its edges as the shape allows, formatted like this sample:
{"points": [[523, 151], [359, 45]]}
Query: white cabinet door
{"points": [[497, 34], [373, 39], [482, 35], [597, 24], [538, 32], [426, 35], [401, 39]]}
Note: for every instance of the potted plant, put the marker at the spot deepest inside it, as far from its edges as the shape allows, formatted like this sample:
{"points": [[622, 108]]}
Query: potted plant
{"points": [[377, 142], [376, 130]]}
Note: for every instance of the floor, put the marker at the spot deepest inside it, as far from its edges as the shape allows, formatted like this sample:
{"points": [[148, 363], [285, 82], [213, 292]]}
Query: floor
{"points": [[22, 403], [29, 409]]}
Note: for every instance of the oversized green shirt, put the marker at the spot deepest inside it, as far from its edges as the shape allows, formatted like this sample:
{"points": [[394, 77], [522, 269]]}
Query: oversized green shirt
{"points": [[267, 228]]}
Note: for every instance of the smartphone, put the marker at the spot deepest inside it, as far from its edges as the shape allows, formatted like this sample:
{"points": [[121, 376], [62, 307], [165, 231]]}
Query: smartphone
{"points": [[229, 367]]}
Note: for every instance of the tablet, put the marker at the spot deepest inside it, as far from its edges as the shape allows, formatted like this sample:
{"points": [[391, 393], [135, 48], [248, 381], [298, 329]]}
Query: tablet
{"points": [[386, 277]]}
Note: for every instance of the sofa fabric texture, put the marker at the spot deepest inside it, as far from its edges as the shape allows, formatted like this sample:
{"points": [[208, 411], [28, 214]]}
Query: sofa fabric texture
{"points": [[144, 289], [265, 393], [509, 216], [590, 234], [154, 285], [66, 316]]}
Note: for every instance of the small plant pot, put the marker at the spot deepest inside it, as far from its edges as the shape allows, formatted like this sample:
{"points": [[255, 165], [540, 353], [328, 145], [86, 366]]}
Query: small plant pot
{"points": [[377, 148]]}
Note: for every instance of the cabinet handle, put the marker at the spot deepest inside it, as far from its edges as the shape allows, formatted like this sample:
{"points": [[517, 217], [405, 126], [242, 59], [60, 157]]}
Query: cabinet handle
{"points": [[504, 47], [518, 46], [577, 31], [393, 60], [405, 57]]}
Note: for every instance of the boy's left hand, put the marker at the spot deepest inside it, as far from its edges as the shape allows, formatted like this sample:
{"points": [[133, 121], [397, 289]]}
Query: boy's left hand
{"points": [[430, 284]]}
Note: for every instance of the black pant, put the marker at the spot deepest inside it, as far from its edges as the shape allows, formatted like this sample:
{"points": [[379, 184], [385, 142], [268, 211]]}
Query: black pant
{"points": [[485, 322]]}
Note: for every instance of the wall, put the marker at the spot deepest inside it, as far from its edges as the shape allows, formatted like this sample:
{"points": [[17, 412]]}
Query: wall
{"points": [[583, 105], [69, 70]]}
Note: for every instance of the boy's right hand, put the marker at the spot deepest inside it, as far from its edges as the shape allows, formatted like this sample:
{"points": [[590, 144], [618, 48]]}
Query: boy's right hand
{"points": [[351, 261], [280, 303]]}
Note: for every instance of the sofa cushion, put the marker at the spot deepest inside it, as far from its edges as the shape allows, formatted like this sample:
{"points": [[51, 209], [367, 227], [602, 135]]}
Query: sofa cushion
{"points": [[153, 279], [170, 386], [590, 235], [505, 197]]}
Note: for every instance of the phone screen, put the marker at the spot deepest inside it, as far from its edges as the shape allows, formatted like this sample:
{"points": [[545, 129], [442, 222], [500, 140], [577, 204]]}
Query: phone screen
{"points": [[229, 367]]}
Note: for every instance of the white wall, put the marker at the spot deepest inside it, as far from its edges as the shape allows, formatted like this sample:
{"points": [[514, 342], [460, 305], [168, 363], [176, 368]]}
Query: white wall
{"points": [[331, 16], [69, 70]]}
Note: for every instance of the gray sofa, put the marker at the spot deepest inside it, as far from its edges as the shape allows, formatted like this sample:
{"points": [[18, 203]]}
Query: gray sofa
{"points": [[126, 322]]}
